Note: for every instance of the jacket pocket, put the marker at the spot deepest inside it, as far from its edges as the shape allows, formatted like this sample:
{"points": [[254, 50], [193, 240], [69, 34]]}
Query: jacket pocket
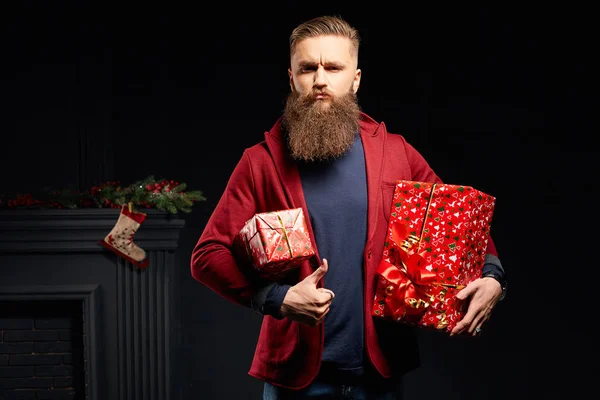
{"points": [[277, 340]]}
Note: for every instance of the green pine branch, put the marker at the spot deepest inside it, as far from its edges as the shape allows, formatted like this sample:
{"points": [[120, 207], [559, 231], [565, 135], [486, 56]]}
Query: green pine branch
{"points": [[162, 194]]}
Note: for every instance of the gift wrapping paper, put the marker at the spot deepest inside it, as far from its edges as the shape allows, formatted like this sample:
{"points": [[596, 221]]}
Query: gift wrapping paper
{"points": [[276, 241], [436, 244]]}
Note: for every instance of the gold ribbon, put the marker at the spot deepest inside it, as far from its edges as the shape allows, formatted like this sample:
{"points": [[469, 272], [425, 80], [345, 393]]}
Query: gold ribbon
{"points": [[285, 236]]}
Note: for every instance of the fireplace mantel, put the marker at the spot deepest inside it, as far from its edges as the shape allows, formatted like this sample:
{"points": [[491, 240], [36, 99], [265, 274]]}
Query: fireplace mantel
{"points": [[46, 253], [65, 230]]}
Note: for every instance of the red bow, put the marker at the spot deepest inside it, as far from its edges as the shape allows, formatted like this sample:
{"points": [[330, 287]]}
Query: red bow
{"points": [[406, 276]]}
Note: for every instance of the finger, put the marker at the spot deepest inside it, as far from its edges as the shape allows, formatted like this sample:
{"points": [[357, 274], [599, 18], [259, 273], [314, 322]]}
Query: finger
{"points": [[466, 292], [477, 322], [321, 318], [318, 273], [323, 298], [464, 322], [322, 310], [458, 329], [327, 291], [477, 329]]}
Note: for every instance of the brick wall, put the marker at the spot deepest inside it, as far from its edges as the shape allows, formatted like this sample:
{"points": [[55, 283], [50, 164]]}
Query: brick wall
{"points": [[40, 351]]}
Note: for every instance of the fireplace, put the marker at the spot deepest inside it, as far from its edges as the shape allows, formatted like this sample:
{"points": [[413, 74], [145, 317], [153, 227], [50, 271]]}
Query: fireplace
{"points": [[78, 322], [46, 340]]}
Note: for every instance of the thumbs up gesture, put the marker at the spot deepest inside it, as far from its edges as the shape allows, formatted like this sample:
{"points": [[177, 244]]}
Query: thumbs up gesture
{"points": [[305, 303]]}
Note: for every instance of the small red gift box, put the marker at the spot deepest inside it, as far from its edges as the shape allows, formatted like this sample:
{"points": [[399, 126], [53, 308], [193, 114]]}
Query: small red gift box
{"points": [[276, 242], [436, 244]]}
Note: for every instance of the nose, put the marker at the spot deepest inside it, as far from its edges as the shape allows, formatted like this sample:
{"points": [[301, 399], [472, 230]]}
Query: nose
{"points": [[320, 78]]}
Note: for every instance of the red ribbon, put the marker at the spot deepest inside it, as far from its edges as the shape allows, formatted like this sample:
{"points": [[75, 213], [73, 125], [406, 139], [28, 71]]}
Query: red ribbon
{"points": [[406, 276]]}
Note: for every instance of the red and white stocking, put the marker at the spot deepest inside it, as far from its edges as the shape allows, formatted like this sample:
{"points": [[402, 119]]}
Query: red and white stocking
{"points": [[120, 238]]}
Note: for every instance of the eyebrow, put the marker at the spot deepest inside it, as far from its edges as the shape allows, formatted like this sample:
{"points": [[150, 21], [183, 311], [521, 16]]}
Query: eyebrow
{"points": [[312, 64]]}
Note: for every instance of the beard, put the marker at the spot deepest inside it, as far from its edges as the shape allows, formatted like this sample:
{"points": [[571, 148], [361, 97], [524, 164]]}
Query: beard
{"points": [[316, 131]]}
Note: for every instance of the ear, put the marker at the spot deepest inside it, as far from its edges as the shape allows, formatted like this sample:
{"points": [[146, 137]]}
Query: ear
{"points": [[291, 79], [356, 83]]}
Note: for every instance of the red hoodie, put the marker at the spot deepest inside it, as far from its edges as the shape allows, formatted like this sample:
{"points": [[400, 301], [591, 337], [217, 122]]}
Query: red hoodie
{"points": [[288, 353]]}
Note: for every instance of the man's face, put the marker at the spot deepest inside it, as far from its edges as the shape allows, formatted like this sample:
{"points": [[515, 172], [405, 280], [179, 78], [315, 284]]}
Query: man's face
{"points": [[321, 115], [323, 67]]}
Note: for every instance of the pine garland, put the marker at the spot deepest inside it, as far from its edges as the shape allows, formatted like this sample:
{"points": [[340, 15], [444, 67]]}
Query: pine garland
{"points": [[162, 194]]}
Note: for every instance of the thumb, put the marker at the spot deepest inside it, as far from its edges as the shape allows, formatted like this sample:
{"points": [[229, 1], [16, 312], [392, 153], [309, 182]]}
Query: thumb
{"points": [[319, 272]]}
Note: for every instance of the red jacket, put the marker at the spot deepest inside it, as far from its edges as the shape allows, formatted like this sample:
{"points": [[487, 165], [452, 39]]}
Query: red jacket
{"points": [[265, 179]]}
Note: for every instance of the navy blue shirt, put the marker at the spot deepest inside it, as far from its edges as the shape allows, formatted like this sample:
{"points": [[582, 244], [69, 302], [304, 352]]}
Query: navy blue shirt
{"points": [[336, 197]]}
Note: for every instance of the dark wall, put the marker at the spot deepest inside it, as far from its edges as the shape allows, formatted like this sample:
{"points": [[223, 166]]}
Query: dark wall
{"points": [[496, 98]]}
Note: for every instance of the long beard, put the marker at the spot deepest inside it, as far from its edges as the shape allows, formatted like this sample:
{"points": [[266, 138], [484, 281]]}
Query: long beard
{"points": [[320, 132]]}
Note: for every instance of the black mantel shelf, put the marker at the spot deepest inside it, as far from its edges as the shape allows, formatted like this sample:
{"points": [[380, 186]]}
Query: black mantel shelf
{"points": [[56, 230], [55, 254]]}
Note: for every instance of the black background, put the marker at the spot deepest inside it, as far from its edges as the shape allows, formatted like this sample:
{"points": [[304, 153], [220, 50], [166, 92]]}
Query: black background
{"points": [[499, 98]]}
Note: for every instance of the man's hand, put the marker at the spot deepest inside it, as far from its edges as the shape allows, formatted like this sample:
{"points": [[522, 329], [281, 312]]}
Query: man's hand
{"points": [[305, 303], [484, 294]]}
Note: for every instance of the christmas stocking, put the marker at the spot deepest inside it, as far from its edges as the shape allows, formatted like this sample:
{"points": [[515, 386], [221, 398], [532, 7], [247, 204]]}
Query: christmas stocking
{"points": [[120, 238]]}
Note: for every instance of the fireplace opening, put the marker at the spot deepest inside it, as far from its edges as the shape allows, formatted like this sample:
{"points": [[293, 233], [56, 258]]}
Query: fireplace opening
{"points": [[42, 349]]}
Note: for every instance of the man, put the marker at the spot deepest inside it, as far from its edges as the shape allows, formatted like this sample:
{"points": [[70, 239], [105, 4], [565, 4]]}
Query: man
{"points": [[327, 156]]}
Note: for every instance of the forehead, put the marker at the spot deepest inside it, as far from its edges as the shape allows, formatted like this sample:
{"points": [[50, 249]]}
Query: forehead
{"points": [[324, 49]]}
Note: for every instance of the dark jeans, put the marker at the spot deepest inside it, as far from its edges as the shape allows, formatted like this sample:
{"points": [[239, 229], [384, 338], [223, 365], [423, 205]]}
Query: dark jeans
{"points": [[361, 389]]}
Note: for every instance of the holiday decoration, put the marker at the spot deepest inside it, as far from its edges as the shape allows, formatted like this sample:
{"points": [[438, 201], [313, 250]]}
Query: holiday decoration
{"points": [[120, 238], [162, 194], [436, 243], [276, 241]]}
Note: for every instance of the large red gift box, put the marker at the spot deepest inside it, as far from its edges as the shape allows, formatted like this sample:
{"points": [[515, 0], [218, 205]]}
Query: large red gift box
{"points": [[276, 241], [436, 244]]}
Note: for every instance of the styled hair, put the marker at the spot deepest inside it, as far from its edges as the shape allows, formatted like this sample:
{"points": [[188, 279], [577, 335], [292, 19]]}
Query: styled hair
{"points": [[325, 25]]}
